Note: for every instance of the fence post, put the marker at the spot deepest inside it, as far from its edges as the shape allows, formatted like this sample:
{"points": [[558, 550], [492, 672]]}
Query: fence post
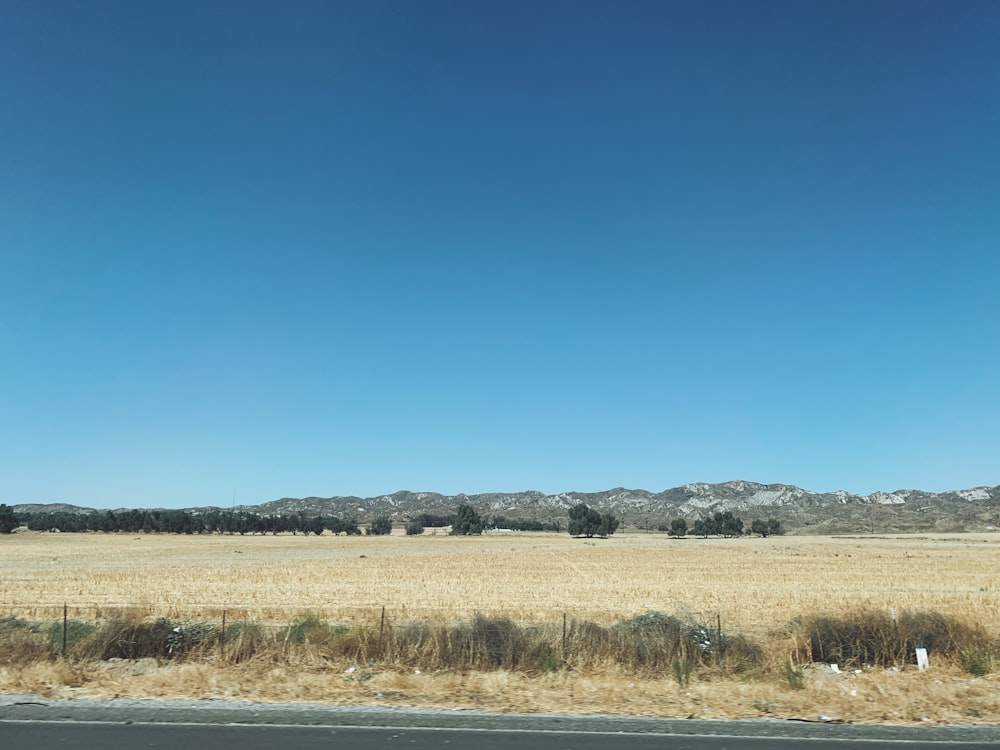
{"points": [[564, 640], [381, 629], [718, 637], [222, 636], [65, 625]]}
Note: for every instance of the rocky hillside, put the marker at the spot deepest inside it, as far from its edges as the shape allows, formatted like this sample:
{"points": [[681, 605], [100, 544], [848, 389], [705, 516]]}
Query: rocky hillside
{"points": [[800, 511]]}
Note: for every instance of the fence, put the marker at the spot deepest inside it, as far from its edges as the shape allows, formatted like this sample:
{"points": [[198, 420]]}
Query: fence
{"points": [[648, 642]]}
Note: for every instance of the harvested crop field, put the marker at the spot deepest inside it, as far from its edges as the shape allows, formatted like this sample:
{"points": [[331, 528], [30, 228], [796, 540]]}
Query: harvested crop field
{"points": [[749, 583]]}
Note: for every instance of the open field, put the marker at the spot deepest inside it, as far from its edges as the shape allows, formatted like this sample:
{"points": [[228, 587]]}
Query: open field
{"points": [[753, 587], [751, 583]]}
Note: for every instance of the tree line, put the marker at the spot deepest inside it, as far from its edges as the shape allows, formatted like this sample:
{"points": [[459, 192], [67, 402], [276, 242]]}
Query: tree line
{"points": [[185, 522], [723, 524], [583, 522]]}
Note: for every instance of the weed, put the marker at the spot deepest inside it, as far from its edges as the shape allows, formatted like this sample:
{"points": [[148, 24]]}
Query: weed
{"points": [[309, 628], [549, 662], [681, 669], [976, 663], [359, 677], [795, 678]]}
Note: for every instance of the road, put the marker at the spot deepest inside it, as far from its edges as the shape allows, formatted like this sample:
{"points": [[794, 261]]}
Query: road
{"points": [[101, 736], [30, 724]]}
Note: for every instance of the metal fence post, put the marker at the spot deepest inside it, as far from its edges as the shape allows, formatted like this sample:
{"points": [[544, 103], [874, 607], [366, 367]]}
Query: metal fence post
{"points": [[564, 640], [381, 630]]}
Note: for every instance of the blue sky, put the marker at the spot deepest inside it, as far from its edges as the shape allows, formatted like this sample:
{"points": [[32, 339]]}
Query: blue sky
{"points": [[349, 248]]}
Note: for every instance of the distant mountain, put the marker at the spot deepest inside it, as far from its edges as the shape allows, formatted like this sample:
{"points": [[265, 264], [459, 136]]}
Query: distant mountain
{"points": [[801, 511]]}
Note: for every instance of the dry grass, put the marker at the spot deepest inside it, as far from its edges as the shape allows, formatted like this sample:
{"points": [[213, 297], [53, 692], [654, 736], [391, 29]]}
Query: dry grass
{"points": [[756, 587]]}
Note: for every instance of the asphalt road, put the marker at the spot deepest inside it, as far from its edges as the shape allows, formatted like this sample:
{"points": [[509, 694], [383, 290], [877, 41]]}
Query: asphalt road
{"points": [[101, 736], [27, 723]]}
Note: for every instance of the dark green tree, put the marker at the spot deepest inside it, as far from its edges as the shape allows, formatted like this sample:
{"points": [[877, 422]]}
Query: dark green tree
{"points": [[8, 521], [414, 528], [609, 524], [467, 521], [350, 527], [587, 522], [702, 527], [678, 527], [728, 525], [772, 526], [381, 526]]}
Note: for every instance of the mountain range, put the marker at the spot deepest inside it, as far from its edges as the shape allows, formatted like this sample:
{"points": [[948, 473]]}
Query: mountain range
{"points": [[800, 511]]}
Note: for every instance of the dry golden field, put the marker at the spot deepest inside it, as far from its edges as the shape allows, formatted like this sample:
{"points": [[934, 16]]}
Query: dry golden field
{"points": [[751, 583], [753, 586]]}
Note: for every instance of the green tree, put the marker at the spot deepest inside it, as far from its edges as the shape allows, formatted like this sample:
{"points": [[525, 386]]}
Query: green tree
{"points": [[381, 526], [585, 521], [678, 527], [727, 524], [350, 527], [467, 522], [414, 528], [757, 526], [609, 524], [8, 521], [774, 527]]}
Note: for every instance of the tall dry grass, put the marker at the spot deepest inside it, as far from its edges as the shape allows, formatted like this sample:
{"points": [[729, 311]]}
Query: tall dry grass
{"points": [[656, 663]]}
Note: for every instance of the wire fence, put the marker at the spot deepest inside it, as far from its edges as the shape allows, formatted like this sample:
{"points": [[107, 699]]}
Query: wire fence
{"points": [[649, 641], [702, 629]]}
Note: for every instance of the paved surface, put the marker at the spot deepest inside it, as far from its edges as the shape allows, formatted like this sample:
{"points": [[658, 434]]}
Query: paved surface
{"points": [[91, 736], [28, 722]]}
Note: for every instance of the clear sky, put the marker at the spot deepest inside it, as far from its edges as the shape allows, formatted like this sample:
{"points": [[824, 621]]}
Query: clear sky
{"points": [[332, 248]]}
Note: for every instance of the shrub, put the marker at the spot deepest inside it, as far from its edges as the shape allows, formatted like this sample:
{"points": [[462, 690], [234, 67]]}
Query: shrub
{"points": [[243, 640], [128, 637], [549, 662], [875, 637], [76, 631], [10, 622], [309, 628], [184, 637], [414, 528], [495, 642], [978, 664]]}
